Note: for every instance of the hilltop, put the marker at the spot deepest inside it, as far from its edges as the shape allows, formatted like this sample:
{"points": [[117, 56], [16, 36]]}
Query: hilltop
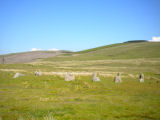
{"points": [[129, 50]]}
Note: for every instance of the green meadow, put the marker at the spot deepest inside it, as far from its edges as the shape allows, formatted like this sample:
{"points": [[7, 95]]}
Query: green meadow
{"points": [[49, 97]]}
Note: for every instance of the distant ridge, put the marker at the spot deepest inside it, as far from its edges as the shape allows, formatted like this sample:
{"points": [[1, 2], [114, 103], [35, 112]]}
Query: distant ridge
{"points": [[135, 41], [30, 56]]}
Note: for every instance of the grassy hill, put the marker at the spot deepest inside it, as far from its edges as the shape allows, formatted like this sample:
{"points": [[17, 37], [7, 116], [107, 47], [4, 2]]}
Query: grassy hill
{"points": [[128, 50], [115, 51], [49, 97]]}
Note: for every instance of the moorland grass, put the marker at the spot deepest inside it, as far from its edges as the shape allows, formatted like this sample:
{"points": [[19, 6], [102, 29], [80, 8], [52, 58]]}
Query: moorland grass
{"points": [[50, 97]]}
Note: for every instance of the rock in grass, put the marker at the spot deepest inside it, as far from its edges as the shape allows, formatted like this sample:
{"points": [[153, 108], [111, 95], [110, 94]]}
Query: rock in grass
{"points": [[36, 73], [118, 79], [18, 75], [141, 78], [69, 77], [95, 78]]}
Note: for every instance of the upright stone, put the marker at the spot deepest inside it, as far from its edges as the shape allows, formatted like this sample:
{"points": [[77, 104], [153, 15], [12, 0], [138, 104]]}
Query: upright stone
{"points": [[69, 77], [36, 73], [40, 73], [141, 78], [118, 79], [3, 60], [95, 78]]}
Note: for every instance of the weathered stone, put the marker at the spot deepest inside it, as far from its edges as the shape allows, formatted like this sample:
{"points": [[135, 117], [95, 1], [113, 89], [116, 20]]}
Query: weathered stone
{"points": [[95, 78], [118, 79], [38, 73], [69, 77], [18, 75], [141, 78]]}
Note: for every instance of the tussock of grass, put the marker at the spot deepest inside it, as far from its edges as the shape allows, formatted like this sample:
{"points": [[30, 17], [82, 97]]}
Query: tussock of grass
{"points": [[49, 117]]}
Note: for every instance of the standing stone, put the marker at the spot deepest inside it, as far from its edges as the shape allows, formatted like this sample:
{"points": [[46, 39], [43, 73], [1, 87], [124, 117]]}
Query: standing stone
{"points": [[40, 73], [95, 78], [69, 77], [3, 60], [36, 73], [118, 79], [18, 75], [141, 78]]}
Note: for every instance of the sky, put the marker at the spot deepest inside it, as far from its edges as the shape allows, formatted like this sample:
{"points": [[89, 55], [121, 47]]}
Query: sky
{"points": [[75, 24]]}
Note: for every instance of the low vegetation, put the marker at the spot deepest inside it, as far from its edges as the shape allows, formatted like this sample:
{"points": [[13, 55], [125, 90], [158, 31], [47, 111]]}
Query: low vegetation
{"points": [[49, 97]]}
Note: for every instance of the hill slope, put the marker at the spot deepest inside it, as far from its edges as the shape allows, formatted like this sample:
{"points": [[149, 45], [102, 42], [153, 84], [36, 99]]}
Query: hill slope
{"points": [[115, 51], [29, 56]]}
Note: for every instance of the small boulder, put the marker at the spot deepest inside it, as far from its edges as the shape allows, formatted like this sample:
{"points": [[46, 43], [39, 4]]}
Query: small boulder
{"points": [[95, 78], [18, 75], [118, 79], [69, 77]]}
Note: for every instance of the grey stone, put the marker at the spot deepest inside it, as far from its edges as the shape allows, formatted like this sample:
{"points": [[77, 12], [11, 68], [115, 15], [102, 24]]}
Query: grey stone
{"points": [[18, 75], [95, 78], [141, 78], [69, 77], [118, 79], [36, 73]]}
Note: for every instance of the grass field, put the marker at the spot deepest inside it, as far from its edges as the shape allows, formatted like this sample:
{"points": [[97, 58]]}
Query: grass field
{"points": [[49, 97]]}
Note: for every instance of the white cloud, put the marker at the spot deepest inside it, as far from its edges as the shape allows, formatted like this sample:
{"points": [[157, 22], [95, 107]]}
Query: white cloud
{"points": [[38, 49], [53, 49], [155, 39], [35, 49]]}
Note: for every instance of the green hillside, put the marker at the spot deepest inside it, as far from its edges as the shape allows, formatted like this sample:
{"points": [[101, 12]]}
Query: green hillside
{"points": [[50, 97], [115, 51]]}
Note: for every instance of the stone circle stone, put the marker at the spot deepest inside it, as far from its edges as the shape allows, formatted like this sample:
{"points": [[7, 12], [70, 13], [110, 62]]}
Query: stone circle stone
{"points": [[95, 78], [118, 79], [18, 75], [69, 77], [141, 78]]}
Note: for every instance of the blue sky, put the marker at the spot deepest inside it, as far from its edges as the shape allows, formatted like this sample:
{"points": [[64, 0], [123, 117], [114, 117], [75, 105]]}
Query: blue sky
{"points": [[75, 24]]}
